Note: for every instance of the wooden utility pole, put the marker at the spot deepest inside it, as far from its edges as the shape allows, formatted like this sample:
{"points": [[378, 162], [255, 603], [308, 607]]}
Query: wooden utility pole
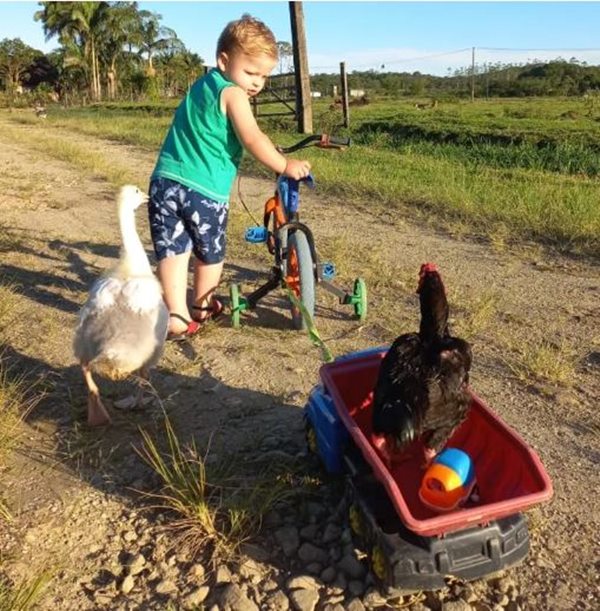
{"points": [[345, 104], [303, 99], [472, 74]]}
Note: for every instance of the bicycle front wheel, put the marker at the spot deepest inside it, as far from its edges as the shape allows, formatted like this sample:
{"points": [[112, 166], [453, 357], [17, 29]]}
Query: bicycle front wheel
{"points": [[300, 278]]}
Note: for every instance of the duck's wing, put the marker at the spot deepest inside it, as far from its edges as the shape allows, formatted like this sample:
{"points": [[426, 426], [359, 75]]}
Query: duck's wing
{"points": [[124, 322]]}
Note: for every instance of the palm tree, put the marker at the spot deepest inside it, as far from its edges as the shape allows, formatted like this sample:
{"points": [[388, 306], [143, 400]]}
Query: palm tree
{"points": [[81, 23], [155, 38], [120, 27]]}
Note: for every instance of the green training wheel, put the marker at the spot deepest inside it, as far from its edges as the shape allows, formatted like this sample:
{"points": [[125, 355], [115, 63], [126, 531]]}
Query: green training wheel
{"points": [[236, 305], [359, 299]]}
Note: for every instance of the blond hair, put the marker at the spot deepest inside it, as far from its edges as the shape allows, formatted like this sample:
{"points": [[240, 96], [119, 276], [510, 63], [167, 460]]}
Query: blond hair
{"points": [[248, 35]]}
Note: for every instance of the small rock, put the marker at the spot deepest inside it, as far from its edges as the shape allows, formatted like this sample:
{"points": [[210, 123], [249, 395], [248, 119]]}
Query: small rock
{"points": [[356, 587], [328, 574], [197, 572], [130, 535], [196, 597], [355, 605], [223, 575], [165, 587], [309, 532], [127, 584], [352, 567], [456, 605], [311, 553], [233, 599], [277, 602], [136, 564], [331, 533], [304, 600], [287, 537], [305, 582], [314, 568]]}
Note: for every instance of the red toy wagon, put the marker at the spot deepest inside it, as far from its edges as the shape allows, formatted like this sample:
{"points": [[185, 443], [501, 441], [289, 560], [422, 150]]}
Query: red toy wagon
{"points": [[410, 545]]}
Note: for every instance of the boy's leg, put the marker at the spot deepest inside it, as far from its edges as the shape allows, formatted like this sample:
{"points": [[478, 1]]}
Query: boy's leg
{"points": [[206, 280], [173, 274]]}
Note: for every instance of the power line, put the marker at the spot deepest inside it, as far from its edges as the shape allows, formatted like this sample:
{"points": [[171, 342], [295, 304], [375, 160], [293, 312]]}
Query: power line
{"points": [[529, 50], [403, 60]]}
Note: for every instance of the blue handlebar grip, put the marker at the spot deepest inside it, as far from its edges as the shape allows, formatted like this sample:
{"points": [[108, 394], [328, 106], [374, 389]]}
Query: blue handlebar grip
{"points": [[256, 235]]}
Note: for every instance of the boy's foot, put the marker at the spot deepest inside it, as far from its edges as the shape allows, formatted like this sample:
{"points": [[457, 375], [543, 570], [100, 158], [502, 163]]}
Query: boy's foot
{"points": [[211, 312], [186, 328]]}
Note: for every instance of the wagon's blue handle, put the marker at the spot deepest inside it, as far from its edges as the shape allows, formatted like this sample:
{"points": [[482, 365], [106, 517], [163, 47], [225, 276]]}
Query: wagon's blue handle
{"points": [[256, 235]]}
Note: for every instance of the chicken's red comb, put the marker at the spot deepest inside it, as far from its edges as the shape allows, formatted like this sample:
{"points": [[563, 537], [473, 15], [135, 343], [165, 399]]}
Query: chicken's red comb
{"points": [[428, 267]]}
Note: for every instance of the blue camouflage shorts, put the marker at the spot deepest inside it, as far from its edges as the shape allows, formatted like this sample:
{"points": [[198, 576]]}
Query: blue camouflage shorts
{"points": [[182, 219]]}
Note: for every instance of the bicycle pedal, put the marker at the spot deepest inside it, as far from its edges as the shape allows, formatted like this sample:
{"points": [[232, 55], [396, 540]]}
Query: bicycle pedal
{"points": [[328, 271], [256, 235]]}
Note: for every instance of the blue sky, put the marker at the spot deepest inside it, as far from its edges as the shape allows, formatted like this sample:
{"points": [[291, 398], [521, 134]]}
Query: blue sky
{"points": [[426, 36]]}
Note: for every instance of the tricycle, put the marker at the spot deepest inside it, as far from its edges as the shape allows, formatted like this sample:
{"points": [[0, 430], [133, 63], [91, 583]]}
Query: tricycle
{"points": [[296, 266]]}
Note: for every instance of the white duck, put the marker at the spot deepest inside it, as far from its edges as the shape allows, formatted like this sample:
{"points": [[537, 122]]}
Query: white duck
{"points": [[123, 324]]}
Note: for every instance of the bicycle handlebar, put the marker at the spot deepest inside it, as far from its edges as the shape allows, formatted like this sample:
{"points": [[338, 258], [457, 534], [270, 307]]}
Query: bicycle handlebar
{"points": [[319, 140]]}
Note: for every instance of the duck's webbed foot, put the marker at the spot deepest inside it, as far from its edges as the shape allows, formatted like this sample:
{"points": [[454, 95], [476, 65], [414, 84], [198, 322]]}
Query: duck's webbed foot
{"points": [[97, 414]]}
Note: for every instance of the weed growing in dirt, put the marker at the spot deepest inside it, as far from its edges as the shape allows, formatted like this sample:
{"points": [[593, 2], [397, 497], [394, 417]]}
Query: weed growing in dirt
{"points": [[545, 360], [216, 508], [479, 312], [17, 395], [23, 596]]}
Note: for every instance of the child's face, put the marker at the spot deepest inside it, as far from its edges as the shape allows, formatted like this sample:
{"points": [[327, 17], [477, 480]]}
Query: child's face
{"points": [[247, 71]]}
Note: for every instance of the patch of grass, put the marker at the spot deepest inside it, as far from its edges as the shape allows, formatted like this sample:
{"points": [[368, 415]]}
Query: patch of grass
{"points": [[17, 398], [5, 512], [81, 157], [17, 395], [477, 313], [22, 596], [215, 507], [545, 360]]}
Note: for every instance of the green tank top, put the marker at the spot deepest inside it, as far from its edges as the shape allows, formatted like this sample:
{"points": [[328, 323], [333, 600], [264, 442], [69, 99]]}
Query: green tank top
{"points": [[201, 149]]}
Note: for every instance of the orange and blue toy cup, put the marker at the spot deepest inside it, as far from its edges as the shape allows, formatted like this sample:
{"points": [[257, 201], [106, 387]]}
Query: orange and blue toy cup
{"points": [[448, 481]]}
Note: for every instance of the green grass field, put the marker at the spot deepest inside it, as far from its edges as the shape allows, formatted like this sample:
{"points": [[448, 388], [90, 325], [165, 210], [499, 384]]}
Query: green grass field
{"points": [[526, 168]]}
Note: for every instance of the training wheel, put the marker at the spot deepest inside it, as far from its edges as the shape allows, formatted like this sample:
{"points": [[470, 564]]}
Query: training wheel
{"points": [[359, 299], [234, 300]]}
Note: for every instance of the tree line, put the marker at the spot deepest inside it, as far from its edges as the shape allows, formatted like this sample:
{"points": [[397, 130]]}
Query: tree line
{"points": [[107, 50], [115, 51], [558, 77]]}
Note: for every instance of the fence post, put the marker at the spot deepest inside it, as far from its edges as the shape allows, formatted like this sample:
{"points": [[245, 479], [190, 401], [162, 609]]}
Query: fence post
{"points": [[345, 105], [303, 99]]}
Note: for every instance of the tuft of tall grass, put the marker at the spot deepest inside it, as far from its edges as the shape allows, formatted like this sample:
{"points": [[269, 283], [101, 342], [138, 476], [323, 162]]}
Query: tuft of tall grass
{"points": [[23, 596], [215, 510]]}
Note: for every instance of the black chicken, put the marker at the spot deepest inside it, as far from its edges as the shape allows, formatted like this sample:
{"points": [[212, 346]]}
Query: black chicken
{"points": [[421, 391]]}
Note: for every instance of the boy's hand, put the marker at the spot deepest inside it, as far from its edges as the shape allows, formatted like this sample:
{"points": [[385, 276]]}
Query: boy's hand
{"points": [[297, 169]]}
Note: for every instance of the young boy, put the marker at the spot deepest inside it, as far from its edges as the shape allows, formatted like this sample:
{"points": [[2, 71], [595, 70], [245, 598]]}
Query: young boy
{"points": [[189, 188]]}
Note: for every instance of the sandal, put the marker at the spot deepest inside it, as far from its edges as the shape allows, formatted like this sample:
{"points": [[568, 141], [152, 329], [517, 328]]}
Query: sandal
{"points": [[214, 311], [193, 327]]}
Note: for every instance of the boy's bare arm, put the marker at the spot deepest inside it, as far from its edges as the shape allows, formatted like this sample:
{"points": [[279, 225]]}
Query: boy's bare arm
{"points": [[237, 107]]}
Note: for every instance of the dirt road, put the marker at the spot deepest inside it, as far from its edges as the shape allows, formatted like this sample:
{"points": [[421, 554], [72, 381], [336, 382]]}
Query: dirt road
{"points": [[69, 489]]}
